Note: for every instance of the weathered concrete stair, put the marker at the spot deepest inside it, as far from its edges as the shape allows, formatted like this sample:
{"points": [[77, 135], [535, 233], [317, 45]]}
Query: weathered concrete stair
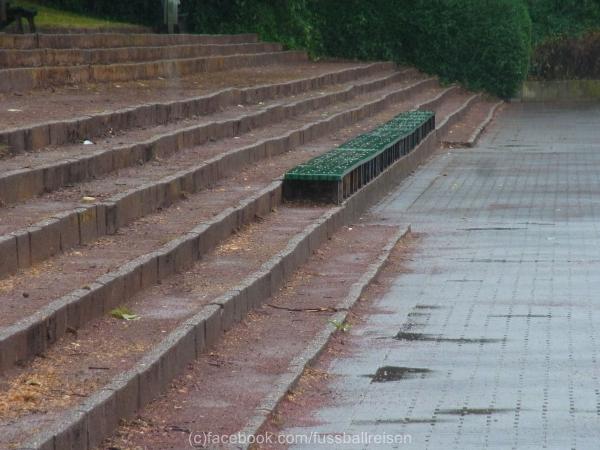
{"points": [[166, 218], [40, 61], [40, 135], [87, 423], [111, 40], [55, 168], [130, 390], [76, 57], [85, 223], [33, 334], [466, 133], [24, 79]]}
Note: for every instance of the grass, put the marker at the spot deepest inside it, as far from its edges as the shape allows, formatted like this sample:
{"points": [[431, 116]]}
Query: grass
{"points": [[54, 18]]}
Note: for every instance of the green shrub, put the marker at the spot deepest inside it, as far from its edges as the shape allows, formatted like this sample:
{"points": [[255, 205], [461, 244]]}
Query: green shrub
{"points": [[290, 22], [482, 43], [553, 18]]}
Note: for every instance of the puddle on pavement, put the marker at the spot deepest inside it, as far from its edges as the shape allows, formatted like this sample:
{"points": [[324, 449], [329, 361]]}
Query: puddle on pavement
{"points": [[394, 373], [525, 316], [404, 421], [405, 336], [465, 281], [492, 229], [428, 307], [475, 411]]}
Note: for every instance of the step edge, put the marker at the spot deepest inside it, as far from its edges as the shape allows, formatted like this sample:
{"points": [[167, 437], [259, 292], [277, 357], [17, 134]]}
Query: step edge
{"points": [[82, 54], [456, 115], [155, 140], [478, 132], [187, 333], [287, 381], [102, 209], [44, 77], [114, 116], [36, 326]]}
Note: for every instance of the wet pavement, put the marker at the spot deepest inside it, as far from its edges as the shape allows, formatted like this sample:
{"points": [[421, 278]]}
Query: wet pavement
{"points": [[492, 338]]}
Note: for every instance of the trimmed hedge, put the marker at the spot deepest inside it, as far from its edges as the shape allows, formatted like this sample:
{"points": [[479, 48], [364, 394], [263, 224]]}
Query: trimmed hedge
{"points": [[291, 22], [483, 44], [554, 18]]}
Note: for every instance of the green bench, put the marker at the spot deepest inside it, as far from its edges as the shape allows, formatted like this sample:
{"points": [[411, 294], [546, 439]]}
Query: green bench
{"points": [[339, 173]]}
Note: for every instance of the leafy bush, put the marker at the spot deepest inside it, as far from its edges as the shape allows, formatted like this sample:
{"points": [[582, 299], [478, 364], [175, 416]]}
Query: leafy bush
{"points": [[567, 58], [482, 43], [553, 18], [290, 22]]}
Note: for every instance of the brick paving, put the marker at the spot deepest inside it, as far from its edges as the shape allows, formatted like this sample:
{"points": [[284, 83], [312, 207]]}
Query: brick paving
{"points": [[501, 305]]}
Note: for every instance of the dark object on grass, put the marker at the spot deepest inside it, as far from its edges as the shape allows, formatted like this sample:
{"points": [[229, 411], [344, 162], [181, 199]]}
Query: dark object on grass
{"points": [[10, 14]]}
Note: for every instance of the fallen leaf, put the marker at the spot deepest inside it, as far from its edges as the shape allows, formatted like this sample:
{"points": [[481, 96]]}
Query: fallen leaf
{"points": [[124, 313]]}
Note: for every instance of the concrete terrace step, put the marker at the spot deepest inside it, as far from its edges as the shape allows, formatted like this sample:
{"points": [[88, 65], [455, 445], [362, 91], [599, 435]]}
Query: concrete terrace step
{"points": [[110, 40], [143, 373], [85, 124], [75, 57], [282, 335], [144, 189], [226, 266], [43, 77], [30, 174], [466, 132], [35, 331]]}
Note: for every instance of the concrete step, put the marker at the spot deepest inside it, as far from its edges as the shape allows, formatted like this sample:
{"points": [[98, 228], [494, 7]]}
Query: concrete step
{"points": [[55, 223], [31, 174], [75, 372], [111, 40], [143, 371], [256, 365], [183, 233], [81, 122], [75, 57], [24, 79], [158, 246], [466, 132]]}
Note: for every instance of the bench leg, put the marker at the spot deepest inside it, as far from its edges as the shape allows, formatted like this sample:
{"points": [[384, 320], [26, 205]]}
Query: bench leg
{"points": [[31, 24]]}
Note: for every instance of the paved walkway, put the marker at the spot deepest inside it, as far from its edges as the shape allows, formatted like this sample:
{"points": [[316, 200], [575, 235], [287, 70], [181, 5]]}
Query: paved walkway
{"points": [[500, 316]]}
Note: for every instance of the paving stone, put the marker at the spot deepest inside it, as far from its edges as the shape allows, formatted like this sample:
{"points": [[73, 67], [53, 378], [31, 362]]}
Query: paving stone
{"points": [[497, 310]]}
